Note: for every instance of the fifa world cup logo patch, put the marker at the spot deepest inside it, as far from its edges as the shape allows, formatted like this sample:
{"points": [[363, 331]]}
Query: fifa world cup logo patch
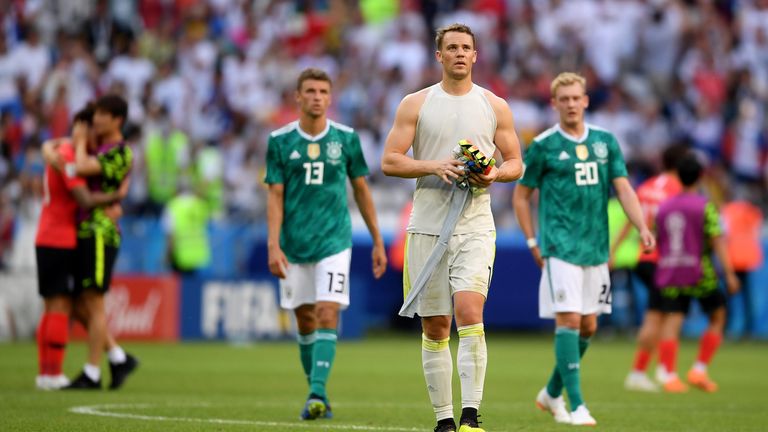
{"points": [[582, 152], [313, 151]]}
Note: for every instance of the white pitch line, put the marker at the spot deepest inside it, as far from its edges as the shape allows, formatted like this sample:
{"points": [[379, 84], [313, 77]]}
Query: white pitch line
{"points": [[102, 411]]}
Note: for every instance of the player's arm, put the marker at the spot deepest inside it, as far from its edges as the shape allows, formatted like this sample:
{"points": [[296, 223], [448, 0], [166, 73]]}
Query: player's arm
{"points": [[85, 164], [623, 234], [275, 201], [521, 201], [631, 205], [51, 155], [87, 199], [395, 162], [364, 202], [508, 145], [714, 232]]}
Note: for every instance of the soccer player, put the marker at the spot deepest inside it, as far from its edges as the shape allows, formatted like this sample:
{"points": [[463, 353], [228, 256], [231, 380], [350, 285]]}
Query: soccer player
{"points": [[573, 164], [432, 121], [651, 194], [310, 233], [98, 237], [55, 251], [689, 231]]}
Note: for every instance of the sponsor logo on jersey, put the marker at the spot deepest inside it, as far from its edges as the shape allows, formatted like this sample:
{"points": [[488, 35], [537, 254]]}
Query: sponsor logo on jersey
{"points": [[563, 155], [333, 150], [294, 155], [313, 150], [601, 149], [582, 152]]}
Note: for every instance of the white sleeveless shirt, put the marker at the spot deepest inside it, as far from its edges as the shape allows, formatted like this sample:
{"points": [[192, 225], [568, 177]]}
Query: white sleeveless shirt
{"points": [[445, 119]]}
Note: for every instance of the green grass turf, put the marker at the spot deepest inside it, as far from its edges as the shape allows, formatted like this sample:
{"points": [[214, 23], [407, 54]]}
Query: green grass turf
{"points": [[376, 385]]}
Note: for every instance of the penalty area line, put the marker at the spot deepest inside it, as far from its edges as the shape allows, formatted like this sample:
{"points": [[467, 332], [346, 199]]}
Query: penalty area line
{"points": [[106, 411]]}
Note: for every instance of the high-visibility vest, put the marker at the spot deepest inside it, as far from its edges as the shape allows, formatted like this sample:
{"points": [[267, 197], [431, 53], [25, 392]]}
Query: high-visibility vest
{"points": [[209, 177], [628, 251], [743, 222], [189, 218], [162, 160]]}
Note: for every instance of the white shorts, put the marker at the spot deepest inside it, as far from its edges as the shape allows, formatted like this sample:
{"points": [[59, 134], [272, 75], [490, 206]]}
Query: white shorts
{"points": [[466, 266], [567, 287], [325, 280]]}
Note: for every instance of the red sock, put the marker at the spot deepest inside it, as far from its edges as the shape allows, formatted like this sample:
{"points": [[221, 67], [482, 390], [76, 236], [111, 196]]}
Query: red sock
{"points": [[42, 352], [709, 343], [642, 357], [668, 354], [56, 337]]}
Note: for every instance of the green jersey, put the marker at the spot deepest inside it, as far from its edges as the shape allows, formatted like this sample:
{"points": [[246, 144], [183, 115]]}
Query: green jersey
{"points": [[116, 160], [314, 173], [573, 176]]}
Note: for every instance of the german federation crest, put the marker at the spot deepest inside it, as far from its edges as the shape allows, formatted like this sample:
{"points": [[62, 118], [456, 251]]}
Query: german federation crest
{"points": [[601, 149], [333, 149], [582, 152], [313, 150]]}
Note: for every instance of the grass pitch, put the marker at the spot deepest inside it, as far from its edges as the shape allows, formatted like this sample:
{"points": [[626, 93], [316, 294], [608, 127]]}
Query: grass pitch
{"points": [[376, 385]]}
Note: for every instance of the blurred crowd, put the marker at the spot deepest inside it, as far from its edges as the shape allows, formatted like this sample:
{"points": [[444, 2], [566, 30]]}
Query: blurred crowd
{"points": [[207, 80]]}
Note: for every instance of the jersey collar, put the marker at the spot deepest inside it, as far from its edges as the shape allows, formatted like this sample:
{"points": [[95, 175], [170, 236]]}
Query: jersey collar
{"points": [[571, 137], [317, 137]]}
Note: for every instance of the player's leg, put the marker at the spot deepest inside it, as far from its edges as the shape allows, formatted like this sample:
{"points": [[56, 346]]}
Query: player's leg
{"points": [[54, 285], [649, 333], [470, 274], [675, 308], [306, 321], [560, 296], [435, 310], [437, 365], [714, 305]]}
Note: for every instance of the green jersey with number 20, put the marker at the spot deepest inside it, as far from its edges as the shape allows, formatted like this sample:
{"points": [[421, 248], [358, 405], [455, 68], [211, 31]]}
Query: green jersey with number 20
{"points": [[574, 176], [314, 172]]}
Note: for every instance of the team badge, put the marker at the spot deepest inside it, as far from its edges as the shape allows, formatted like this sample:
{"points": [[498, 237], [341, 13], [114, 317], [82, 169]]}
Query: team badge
{"points": [[582, 152], [313, 151], [333, 150], [600, 149]]}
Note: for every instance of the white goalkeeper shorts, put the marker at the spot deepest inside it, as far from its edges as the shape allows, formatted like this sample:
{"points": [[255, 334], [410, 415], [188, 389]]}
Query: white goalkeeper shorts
{"points": [[466, 266], [325, 280], [566, 287]]}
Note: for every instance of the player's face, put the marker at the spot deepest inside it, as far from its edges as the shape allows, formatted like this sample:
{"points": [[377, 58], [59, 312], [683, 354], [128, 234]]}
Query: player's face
{"points": [[314, 97], [457, 55], [570, 102], [104, 123]]}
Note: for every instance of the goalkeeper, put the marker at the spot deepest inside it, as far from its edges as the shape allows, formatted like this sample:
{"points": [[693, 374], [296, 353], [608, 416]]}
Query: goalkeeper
{"points": [[432, 121]]}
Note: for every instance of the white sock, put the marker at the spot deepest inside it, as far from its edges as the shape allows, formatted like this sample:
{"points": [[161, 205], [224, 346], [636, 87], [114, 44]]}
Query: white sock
{"points": [[93, 372], [699, 366], [471, 363], [116, 355], [438, 370]]}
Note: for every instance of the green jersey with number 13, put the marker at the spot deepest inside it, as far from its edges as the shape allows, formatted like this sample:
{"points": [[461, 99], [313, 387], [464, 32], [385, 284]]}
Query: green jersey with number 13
{"points": [[574, 176], [314, 172]]}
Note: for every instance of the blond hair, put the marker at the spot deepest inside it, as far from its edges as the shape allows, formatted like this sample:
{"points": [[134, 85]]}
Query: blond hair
{"points": [[566, 79], [458, 28]]}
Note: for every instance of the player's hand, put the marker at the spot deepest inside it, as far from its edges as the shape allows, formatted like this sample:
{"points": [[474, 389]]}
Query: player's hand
{"points": [[379, 257], [484, 180], [732, 283], [449, 170], [114, 212], [80, 133], [278, 263], [51, 156], [536, 252], [124, 186], [647, 240]]}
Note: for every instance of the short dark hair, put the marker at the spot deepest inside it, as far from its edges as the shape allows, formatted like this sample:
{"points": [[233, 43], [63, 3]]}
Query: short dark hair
{"points": [[312, 74], [113, 104], [456, 27], [672, 155], [689, 169], [85, 114]]}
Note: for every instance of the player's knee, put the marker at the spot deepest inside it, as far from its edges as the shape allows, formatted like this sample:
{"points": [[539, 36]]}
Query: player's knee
{"points": [[436, 327]]}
